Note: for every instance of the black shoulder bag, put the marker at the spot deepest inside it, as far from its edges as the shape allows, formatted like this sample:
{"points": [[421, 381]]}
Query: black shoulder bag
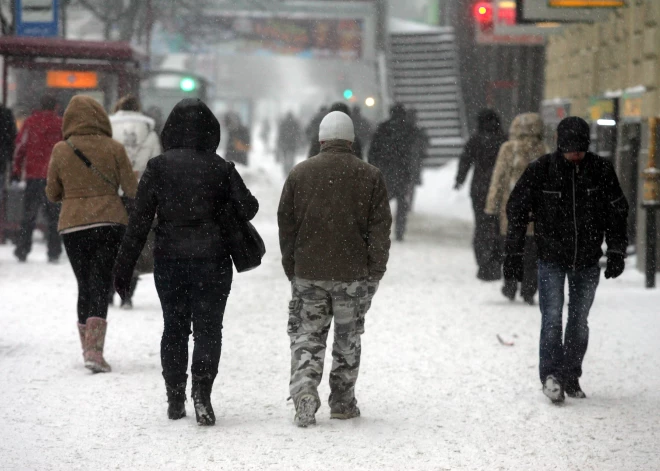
{"points": [[246, 246]]}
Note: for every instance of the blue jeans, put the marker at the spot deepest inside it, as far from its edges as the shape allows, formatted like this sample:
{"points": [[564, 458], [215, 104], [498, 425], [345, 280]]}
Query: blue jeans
{"points": [[562, 357], [193, 292]]}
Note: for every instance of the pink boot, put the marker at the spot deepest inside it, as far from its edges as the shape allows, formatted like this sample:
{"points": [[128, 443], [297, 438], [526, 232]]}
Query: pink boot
{"points": [[94, 341]]}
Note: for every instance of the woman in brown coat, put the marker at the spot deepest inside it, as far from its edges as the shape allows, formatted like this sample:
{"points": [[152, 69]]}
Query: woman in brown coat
{"points": [[85, 173], [525, 144]]}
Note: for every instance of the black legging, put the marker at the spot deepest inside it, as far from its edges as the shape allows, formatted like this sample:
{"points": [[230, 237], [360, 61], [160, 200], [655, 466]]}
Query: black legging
{"points": [[92, 254]]}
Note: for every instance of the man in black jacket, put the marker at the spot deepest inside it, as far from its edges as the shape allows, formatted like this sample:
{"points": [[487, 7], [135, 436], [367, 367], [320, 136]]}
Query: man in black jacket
{"points": [[392, 151], [481, 152], [575, 201]]}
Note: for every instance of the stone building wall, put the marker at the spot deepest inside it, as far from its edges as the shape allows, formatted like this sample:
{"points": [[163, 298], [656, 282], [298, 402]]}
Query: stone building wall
{"points": [[621, 52]]}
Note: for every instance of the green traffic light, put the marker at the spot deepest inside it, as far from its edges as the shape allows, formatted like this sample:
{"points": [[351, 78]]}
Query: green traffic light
{"points": [[188, 84], [348, 93]]}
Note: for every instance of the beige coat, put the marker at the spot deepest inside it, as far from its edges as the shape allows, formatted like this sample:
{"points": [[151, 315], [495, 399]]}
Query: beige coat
{"points": [[87, 198], [525, 145]]}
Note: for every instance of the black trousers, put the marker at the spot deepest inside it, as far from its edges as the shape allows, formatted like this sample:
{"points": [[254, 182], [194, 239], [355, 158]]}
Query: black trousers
{"points": [[192, 291], [486, 242], [92, 254], [403, 206], [529, 284], [33, 200]]}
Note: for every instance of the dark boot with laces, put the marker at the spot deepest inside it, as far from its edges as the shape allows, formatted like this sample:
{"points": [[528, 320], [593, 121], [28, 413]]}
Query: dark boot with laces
{"points": [[176, 401], [201, 396]]}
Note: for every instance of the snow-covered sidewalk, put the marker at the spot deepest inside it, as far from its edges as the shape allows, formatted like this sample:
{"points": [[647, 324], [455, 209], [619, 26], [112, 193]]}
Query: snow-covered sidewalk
{"points": [[437, 389]]}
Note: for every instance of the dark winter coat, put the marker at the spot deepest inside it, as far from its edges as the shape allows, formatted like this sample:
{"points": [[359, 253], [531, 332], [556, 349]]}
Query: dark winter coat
{"points": [[574, 206], [334, 218], [7, 138], [187, 187], [392, 151], [289, 134], [363, 127], [481, 152]]}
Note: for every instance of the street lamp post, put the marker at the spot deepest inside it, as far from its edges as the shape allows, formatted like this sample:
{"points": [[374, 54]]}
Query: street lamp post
{"points": [[651, 202]]}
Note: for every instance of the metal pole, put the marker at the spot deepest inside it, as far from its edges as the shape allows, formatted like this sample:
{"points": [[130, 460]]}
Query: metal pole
{"points": [[651, 247], [150, 27], [5, 76], [651, 202]]}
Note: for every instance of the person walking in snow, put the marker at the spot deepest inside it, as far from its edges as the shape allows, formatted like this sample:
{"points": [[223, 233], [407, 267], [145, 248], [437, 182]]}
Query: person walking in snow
{"points": [[191, 189], [136, 132], [363, 127], [334, 221], [525, 145], [7, 142], [419, 151], [481, 152], [288, 140], [34, 144], [85, 173], [392, 151], [576, 202], [238, 142]]}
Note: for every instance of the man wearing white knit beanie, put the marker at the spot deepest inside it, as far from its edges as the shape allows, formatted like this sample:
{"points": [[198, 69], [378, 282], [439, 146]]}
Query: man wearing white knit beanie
{"points": [[334, 220]]}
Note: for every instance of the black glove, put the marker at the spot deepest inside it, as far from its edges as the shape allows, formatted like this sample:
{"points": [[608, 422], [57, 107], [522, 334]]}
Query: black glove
{"points": [[15, 178], [615, 265], [122, 282], [513, 267]]}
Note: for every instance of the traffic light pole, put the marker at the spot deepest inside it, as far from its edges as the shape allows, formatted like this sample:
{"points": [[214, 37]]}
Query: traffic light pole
{"points": [[651, 202]]}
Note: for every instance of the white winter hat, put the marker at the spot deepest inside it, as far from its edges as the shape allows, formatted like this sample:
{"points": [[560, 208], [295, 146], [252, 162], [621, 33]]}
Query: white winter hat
{"points": [[336, 125]]}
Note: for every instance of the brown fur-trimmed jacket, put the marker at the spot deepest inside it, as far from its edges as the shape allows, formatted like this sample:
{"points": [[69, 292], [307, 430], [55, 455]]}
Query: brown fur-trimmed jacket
{"points": [[525, 145]]}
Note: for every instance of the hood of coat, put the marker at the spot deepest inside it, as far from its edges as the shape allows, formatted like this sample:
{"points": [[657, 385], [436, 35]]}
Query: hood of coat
{"points": [[526, 125], [130, 117], [191, 125], [85, 117], [488, 121]]}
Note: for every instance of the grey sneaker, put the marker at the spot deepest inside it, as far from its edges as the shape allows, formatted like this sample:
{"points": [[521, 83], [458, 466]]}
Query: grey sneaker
{"points": [[345, 412], [307, 406], [553, 389]]}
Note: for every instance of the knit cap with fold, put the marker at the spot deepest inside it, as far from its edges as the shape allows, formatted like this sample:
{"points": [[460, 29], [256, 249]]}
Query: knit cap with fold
{"points": [[336, 126]]}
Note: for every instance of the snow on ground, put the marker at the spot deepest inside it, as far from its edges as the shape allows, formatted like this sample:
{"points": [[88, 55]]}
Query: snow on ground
{"points": [[437, 390]]}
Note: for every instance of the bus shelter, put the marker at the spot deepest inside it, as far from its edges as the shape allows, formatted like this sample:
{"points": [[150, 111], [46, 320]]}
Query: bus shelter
{"points": [[107, 69], [31, 67]]}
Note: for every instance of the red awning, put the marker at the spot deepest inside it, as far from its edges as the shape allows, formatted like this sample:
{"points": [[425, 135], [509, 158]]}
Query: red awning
{"points": [[16, 46]]}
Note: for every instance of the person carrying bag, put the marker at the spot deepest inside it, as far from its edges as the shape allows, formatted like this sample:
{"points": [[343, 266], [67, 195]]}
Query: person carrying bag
{"points": [[188, 188], [85, 173]]}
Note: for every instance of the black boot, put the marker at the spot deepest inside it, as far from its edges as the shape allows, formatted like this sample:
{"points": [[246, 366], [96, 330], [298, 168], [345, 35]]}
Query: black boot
{"points": [[201, 396], [573, 389], [509, 289], [176, 400]]}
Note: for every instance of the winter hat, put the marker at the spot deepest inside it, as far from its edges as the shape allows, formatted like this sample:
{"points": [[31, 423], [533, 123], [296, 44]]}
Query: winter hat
{"points": [[573, 135], [336, 125]]}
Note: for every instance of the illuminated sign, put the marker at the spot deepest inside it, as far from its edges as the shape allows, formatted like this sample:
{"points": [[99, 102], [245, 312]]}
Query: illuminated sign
{"points": [[71, 79], [586, 3]]}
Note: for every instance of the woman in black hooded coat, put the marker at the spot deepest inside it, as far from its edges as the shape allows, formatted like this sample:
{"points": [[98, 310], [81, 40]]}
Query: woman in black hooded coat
{"points": [[188, 188]]}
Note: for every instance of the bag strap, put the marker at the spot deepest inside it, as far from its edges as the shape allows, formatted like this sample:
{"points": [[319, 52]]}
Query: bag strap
{"points": [[90, 166]]}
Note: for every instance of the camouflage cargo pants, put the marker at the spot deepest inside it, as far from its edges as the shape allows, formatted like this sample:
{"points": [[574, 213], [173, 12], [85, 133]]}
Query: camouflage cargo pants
{"points": [[313, 305]]}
